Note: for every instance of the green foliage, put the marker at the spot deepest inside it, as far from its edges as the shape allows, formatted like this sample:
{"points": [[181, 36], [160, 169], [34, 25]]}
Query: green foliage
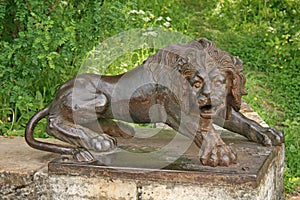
{"points": [[43, 43]]}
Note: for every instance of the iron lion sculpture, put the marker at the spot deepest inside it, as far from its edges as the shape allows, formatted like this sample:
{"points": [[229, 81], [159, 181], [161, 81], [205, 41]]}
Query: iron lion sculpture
{"points": [[195, 85]]}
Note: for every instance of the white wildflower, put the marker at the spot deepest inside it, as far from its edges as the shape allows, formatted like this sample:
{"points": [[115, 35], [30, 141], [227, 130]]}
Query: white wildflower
{"points": [[151, 15], [146, 19], [141, 12], [159, 18], [168, 19], [166, 24], [271, 29], [132, 12]]}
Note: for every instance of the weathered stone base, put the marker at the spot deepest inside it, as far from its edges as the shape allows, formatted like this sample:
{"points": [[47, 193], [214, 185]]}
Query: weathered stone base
{"points": [[24, 173]]}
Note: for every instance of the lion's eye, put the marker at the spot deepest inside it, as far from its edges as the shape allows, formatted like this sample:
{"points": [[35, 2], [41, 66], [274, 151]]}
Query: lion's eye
{"points": [[218, 83], [197, 84]]}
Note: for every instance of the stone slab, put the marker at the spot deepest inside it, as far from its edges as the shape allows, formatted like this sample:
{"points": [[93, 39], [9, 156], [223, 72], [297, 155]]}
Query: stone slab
{"points": [[18, 165], [17, 156], [131, 161], [257, 174]]}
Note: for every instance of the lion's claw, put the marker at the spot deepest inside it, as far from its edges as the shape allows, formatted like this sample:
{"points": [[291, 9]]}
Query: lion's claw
{"points": [[215, 151], [83, 156], [272, 136], [102, 143], [221, 154]]}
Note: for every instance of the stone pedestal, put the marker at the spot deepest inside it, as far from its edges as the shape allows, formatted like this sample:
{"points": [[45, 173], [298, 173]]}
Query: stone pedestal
{"points": [[142, 168], [132, 173], [20, 166]]}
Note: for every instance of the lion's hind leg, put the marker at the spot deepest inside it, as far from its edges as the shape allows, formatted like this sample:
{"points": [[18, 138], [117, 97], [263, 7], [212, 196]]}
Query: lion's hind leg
{"points": [[116, 128], [80, 136]]}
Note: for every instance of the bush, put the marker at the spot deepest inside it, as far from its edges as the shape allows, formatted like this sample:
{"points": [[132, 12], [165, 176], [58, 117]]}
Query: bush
{"points": [[43, 44]]}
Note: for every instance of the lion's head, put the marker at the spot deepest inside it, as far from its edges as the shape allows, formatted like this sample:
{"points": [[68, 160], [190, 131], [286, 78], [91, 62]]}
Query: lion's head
{"points": [[232, 68], [216, 78]]}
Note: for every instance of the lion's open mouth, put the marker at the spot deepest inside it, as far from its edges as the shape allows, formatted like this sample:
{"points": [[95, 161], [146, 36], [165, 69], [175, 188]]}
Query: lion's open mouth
{"points": [[208, 111]]}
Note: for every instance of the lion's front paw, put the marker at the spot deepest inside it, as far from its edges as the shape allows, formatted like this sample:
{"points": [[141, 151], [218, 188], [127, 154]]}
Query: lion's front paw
{"points": [[83, 156], [102, 143], [272, 136], [216, 152]]}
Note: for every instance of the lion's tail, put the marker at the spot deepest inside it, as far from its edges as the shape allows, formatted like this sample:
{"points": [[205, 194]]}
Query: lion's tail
{"points": [[43, 145]]}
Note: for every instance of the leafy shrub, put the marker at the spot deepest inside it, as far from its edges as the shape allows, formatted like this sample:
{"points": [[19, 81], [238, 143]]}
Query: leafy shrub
{"points": [[42, 45]]}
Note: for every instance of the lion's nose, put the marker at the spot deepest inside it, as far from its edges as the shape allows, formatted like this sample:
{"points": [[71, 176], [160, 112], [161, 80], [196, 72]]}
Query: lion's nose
{"points": [[203, 101], [206, 91], [204, 96]]}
